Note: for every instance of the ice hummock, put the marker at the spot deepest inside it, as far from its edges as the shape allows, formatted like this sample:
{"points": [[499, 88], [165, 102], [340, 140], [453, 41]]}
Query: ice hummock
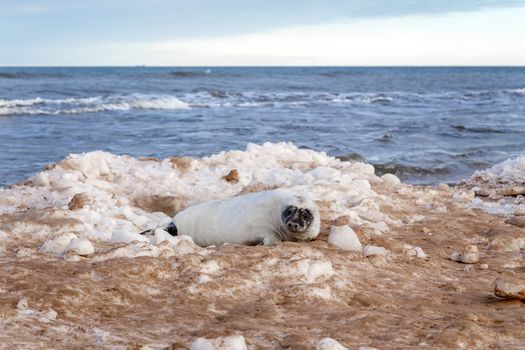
{"points": [[502, 187], [103, 197]]}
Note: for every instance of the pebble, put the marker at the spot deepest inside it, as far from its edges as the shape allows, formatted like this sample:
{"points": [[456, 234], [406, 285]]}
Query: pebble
{"points": [[470, 255], [455, 256], [329, 344], [414, 251], [509, 288], [420, 253], [345, 238], [22, 304], [80, 247], [79, 201], [232, 177], [483, 266], [25, 253]]}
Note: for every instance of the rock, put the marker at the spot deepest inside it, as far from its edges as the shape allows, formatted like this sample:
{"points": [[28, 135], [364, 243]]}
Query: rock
{"points": [[420, 253], [22, 304], [455, 256], [167, 204], [516, 221], [410, 250], [470, 255], [510, 191], [51, 314], [509, 288], [25, 253], [80, 200], [329, 344], [80, 247], [345, 238], [375, 250], [391, 179], [232, 177], [483, 266]]}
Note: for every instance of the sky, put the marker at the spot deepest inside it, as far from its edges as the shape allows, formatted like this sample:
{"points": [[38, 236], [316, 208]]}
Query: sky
{"points": [[262, 33]]}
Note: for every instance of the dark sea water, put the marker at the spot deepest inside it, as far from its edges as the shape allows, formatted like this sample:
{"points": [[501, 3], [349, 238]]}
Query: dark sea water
{"points": [[427, 125]]}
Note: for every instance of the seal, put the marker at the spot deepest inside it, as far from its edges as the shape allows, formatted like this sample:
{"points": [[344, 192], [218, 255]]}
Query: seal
{"points": [[266, 217]]}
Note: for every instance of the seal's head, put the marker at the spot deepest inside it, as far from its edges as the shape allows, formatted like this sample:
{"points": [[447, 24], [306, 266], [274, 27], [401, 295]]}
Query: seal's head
{"points": [[298, 222]]}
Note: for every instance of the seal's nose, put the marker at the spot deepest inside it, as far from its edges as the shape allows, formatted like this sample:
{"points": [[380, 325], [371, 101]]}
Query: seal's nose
{"points": [[292, 226]]}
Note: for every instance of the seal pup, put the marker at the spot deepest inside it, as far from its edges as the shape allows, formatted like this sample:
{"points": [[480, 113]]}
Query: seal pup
{"points": [[266, 217]]}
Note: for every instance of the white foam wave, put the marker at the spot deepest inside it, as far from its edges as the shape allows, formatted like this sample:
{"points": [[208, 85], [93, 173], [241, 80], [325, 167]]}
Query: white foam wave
{"points": [[90, 104], [517, 91]]}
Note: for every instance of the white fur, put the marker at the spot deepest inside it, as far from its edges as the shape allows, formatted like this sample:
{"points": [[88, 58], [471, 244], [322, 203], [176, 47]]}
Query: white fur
{"points": [[245, 219]]}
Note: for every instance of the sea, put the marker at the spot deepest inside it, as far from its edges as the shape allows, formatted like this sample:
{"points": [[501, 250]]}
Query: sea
{"points": [[427, 125]]}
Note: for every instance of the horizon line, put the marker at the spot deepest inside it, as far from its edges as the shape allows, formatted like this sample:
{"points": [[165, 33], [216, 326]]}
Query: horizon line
{"points": [[263, 66]]}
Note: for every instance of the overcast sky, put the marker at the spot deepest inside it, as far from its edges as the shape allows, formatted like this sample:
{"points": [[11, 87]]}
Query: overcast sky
{"points": [[269, 32]]}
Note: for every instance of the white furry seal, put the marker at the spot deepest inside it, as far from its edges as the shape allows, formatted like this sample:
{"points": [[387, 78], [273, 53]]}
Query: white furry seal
{"points": [[263, 217]]}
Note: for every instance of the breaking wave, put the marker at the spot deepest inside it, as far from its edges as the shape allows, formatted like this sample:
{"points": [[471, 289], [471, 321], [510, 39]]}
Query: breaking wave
{"points": [[95, 104], [226, 98]]}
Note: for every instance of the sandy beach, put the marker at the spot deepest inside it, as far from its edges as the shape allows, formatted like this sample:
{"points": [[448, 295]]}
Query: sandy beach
{"points": [[76, 273]]}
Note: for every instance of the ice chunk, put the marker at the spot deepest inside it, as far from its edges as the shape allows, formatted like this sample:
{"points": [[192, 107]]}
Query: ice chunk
{"points": [[57, 244], [80, 247], [234, 342], [374, 250], [330, 344], [344, 237]]}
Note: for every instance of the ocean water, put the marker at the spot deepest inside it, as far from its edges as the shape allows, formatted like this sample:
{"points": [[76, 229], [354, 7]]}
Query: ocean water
{"points": [[427, 125]]}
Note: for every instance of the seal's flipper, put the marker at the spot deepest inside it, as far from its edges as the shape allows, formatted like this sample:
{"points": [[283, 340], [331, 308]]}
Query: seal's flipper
{"points": [[150, 232], [172, 229]]}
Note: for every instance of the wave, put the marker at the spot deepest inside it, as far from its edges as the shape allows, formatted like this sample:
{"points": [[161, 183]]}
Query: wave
{"points": [[42, 106], [190, 74], [401, 169], [229, 98], [516, 91], [480, 130], [27, 75]]}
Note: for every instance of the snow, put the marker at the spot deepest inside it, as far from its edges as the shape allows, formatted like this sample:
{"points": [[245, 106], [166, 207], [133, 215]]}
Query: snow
{"points": [[101, 197], [56, 245], [504, 179]]}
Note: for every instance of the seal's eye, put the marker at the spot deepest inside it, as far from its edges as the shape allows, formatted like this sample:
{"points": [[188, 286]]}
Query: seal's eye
{"points": [[306, 215], [289, 211]]}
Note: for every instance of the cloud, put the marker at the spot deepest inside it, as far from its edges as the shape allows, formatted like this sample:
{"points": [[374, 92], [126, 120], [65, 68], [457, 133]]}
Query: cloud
{"points": [[32, 9], [487, 37]]}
